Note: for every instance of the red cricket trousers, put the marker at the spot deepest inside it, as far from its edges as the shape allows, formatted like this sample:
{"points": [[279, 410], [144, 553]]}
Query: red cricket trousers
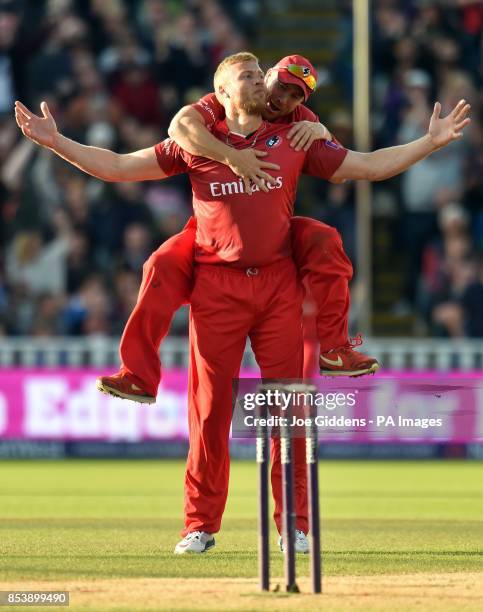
{"points": [[311, 344], [228, 306], [168, 280], [166, 285], [319, 255]]}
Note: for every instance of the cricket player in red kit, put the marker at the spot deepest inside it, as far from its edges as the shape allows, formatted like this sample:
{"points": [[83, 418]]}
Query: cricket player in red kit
{"points": [[246, 286], [317, 247]]}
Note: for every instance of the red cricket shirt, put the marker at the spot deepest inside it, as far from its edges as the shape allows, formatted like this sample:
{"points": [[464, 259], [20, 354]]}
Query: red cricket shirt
{"points": [[243, 230], [213, 111]]}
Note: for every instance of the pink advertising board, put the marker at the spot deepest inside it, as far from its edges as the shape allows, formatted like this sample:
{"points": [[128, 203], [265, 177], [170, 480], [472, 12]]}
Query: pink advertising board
{"points": [[63, 404]]}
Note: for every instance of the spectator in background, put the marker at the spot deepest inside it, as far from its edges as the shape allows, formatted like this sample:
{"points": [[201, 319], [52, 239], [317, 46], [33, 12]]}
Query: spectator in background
{"points": [[9, 25], [448, 271], [137, 92], [47, 320], [391, 92], [88, 311], [79, 260], [422, 184], [126, 287], [151, 17], [471, 302], [37, 267], [20, 39], [179, 53], [75, 200], [137, 246]]}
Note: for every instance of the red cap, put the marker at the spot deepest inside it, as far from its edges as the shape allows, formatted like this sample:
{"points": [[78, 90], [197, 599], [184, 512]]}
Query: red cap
{"points": [[297, 70]]}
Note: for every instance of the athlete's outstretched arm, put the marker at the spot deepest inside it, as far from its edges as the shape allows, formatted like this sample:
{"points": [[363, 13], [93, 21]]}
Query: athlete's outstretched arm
{"points": [[101, 163], [385, 163], [189, 131]]}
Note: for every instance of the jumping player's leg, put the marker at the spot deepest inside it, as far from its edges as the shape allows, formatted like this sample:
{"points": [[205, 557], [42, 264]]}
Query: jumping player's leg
{"points": [[277, 343], [322, 262], [311, 342], [319, 255], [166, 285]]}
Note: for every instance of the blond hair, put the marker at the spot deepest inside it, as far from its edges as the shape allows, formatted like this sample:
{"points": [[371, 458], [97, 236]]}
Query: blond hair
{"points": [[236, 58]]}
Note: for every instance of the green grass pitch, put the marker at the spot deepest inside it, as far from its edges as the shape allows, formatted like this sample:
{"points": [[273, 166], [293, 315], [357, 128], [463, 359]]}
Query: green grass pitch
{"points": [[92, 520], [121, 518]]}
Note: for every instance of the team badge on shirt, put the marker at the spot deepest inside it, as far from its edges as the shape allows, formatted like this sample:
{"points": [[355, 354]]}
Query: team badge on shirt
{"points": [[273, 141]]}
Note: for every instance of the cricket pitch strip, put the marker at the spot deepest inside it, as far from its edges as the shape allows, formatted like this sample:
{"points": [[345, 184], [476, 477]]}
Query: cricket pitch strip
{"points": [[402, 592]]}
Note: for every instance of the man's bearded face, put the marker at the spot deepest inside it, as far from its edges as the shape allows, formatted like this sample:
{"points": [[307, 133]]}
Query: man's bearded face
{"points": [[246, 88]]}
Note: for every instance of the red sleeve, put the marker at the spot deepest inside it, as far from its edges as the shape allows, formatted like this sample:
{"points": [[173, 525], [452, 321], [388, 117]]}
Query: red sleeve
{"points": [[172, 159], [302, 113], [210, 109], [323, 158]]}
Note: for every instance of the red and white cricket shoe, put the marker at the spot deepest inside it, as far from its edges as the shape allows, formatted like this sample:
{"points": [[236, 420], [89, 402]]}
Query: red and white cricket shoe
{"points": [[345, 361], [120, 385]]}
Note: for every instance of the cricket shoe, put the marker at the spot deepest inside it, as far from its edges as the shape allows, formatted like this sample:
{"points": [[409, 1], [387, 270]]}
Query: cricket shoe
{"points": [[301, 542], [195, 542], [345, 361], [120, 385]]}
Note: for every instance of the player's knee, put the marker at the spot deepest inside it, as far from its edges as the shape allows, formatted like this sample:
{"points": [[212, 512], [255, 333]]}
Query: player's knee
{"points": [[165, 262], [317, 235], [303, 227]]}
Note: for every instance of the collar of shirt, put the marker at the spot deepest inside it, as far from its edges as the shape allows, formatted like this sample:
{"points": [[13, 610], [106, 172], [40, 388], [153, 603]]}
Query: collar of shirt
{"points": [[222, 131]]}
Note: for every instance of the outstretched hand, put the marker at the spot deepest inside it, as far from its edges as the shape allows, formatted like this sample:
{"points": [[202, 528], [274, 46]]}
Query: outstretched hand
{"points": [[442, 131], [42, 130]]}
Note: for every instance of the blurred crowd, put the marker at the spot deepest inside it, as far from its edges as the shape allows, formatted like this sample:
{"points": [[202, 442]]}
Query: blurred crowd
{"points": [[427, 51], [115, 71], [423, 51]]}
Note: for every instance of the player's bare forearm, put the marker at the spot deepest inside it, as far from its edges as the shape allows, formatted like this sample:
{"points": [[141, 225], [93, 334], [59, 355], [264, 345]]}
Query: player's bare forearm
{"points": [[189, 131], [385, 163], [391, 161], [101, 163], [108, 165]]}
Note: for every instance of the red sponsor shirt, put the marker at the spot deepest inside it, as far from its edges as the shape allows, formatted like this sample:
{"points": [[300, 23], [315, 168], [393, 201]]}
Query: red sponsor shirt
{"points": [[212, 111], [247, 230]]}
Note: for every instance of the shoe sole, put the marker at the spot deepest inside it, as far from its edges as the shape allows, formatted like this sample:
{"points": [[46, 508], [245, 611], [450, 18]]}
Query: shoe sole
{"points": [[207, 547], [142, 399], [352, 373], [298, 552]]}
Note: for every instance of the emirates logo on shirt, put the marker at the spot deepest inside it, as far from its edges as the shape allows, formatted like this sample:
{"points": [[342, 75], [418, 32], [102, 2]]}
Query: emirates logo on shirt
{"points": [[238, 187]]}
